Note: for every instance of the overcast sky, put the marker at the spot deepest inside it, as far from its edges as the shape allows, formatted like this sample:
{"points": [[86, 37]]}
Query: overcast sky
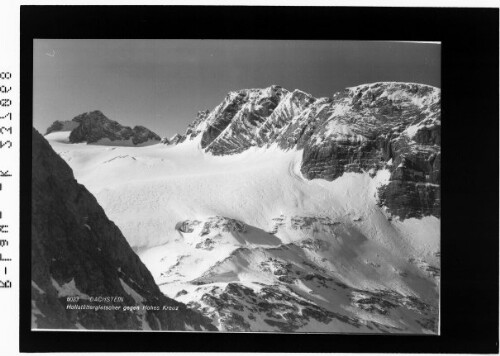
{"points": [[162, 84]]}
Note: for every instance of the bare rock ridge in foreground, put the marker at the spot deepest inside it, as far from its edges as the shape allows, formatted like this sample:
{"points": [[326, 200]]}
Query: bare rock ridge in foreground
{"points": [[386, 125], [295, 286], [94, 126], [78, 252]]}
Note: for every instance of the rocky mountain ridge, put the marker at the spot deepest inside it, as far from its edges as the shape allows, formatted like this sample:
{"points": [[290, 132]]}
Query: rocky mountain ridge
{"points": [[299, 285], [95, 127], [385, 125]]}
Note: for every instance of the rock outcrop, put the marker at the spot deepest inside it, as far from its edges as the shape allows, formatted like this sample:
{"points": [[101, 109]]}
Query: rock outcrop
{"points": [[95, 127], [174, 140], [394, 126], [177, 139], [82, 262], [61, 126]]}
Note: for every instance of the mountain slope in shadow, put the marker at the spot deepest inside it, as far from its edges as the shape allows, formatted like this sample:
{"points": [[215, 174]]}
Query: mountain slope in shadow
{"points": [[84, 273]]}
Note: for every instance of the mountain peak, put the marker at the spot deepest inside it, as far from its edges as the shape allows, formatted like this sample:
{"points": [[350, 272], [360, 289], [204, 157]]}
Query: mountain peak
{"points": [[58, 126], [95, 127], [91, 115], [365, 126]]}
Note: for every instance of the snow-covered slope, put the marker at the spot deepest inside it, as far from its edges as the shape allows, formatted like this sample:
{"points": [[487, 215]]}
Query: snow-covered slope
{"points": [[255, 245]]}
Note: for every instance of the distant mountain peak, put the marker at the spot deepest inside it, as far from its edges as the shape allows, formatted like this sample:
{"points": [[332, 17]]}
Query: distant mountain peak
{"points": [[61, 126], [95, 127]]}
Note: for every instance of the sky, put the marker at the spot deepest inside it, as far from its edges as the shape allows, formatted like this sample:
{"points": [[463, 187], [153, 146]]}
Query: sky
{"points": [[162, 84]]}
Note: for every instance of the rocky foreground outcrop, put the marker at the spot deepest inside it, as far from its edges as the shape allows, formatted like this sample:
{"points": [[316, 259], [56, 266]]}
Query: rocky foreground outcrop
{"points": [[81, 260], [312, 284], [394, 126], [94, 127]]}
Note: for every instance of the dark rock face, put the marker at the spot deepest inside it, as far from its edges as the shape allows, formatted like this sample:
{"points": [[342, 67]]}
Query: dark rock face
{"points": [[177, 139], [410, 199], [78, 253], [61, 126], [279, 306], [231, 127], [56, 126], [94, 126], [141, 134], [165, 141], [221, 223], [394, 126], [223, 117]]}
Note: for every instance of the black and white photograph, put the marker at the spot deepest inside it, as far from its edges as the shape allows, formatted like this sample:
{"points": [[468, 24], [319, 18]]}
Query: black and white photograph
{"points": [[262, 186]]}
